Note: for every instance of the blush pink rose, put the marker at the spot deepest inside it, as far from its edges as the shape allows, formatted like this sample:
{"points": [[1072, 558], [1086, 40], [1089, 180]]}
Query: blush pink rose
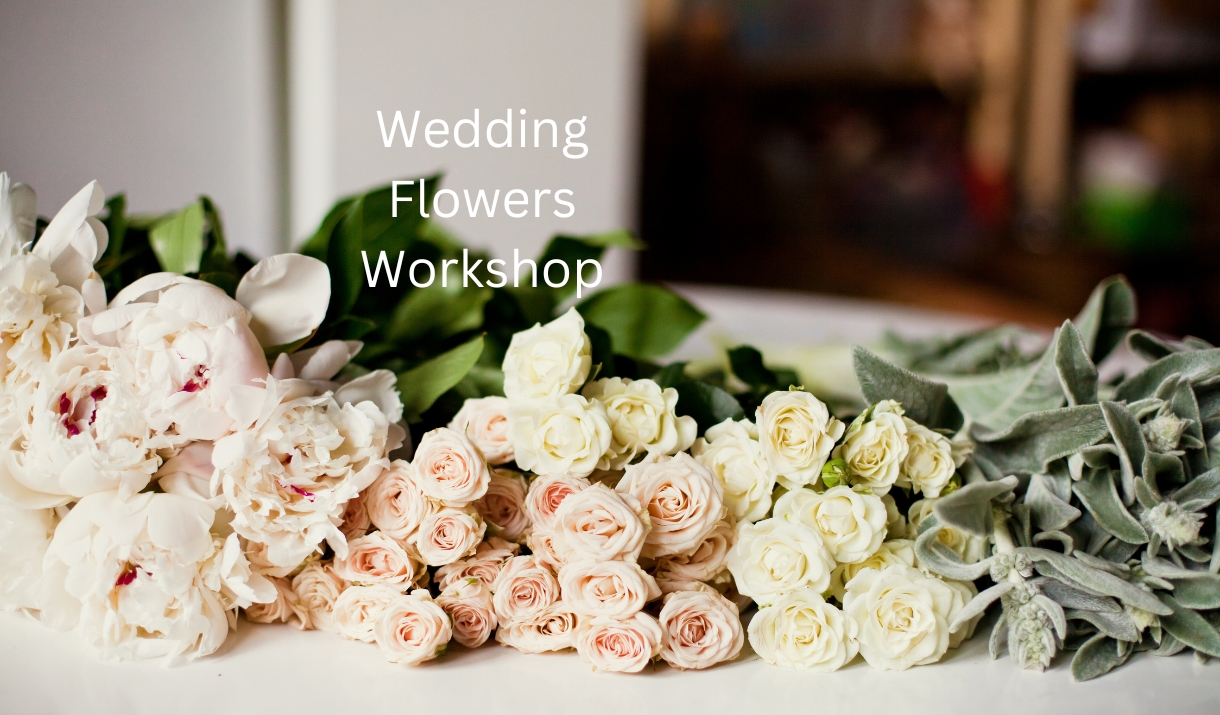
{"points": [[377, 558], [317, 587], [524, 587], [546, 493], [485, 421], [484, 565], [616, 589], [503, 505], [619, 646], [468, 603], [395, 503], [684, 500], [700, 629], [411, 629], [448, 534], [450, 468], [286, 608], [553, 628], [599, 524]]}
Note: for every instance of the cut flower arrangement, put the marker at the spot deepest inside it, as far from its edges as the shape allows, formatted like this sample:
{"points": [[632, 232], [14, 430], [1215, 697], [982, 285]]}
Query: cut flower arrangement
{"points": [[189, 435]]}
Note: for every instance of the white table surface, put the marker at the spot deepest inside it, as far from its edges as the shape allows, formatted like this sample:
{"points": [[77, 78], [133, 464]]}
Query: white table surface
{"points": [[277, 669]]}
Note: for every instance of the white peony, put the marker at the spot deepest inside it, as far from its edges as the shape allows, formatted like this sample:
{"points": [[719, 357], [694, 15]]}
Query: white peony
{"points": [[797, 433], [851, 524], [930, 462], [775, 556], [38, 317], [642, 420], [732, 452], [803, 632], [295, 461], [684, 502], [548, 360], [485, 421], [567, 434], [18, 217], [73, 241], [875, 447], [24, 537], [903, 616]]}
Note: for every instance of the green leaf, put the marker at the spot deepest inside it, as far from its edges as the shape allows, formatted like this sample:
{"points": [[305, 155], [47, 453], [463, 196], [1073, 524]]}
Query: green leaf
{"points": [[996, 401], [645, 322], [1200, 590], [1100, 497], [940, 558], [1107, 315], [438, 311], [1097, 580], [318, 245], [1201, 492], [1049, 511], [1129, 439], [178, 240], [925, 401], [1190, 628], [707, 404], [1039, 438], [987, 350], [422, 385], [969, 508], [1069, 596], [747, 365], [1077, 373], [1118, 626], [1098, 656], [1153, 347], [1194, 366]]}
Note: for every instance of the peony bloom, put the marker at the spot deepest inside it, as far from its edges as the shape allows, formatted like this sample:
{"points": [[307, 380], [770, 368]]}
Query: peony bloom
{"points": [[83, 431], [546, 493], [356, 610], [875, 447], [395, 502], [642, 420], [903, 616], [377, 559], [797, 433], [484, 566], [708, 560], [412, 629], [684, 502], [969, 547], [448, 534], [295, 462], [18, 217], [523, 589], [503, 506], [468, 603], [144, 577], [287, 296], [896, 552], [803, 632], [851, 524], [24, 536], [37, 320], [449, 468], [485, 421], [548, 360], [619, 646], [73, 241], [616, 589], [553, 628], [286, 608], [930, 462], [599, 524], [774, 556], [318, 587], [731, 451], [699, 629], [567, 434]]}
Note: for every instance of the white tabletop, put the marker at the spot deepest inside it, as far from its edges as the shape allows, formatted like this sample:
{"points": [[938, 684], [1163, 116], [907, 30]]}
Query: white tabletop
{"points": [[274, 669]]}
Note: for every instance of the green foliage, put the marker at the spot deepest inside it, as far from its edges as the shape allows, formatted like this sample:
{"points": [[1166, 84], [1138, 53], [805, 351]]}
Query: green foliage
{"points": [[645, 322]]}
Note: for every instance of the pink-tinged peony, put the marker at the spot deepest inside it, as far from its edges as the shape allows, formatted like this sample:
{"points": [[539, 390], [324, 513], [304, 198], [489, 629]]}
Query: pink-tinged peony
{"points": [[619, 646], [468, 603], [377, 559], [503, 506], [355, 519], [485, 566], [318, 588], [412, 629], [286, 608], [546, 493], [708, 560], [485, 421], [553, 628], [599, 524], [358, 607], [395, 502], [700, 629], [523, 588], [615, 589], [448, 534], [684, 500], [449, 468]]}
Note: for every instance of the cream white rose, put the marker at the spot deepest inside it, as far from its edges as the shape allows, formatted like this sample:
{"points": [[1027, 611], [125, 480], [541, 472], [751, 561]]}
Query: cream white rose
{"points": [[896, 552], [684, 502], [699, 630], [523, 588], [599, 524], [294, 463], [548, 360], [875, 447], [553, 628], [485, 421], [851, 524], [286, 608], [412, 629], [449, 468], [448, 534], [707, 561], [642, 419], [468, 603], [546, 493], [25, 535], [775, 556], [930, 463], [395, 502], [484, 566], [356, 610], [503, 506], [619, 646], [797, 433], [567, 434], [318, 587], [732, 452], [969, 547], [803, 632], [616, 589], [903, 616], [376, 559]]}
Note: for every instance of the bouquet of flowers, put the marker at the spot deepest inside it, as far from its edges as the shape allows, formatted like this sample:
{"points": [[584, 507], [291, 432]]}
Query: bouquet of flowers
{"points": [[189, 435]]}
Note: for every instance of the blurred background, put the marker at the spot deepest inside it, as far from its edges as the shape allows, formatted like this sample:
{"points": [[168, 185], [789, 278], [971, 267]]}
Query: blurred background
{"points": [[989, 157]]}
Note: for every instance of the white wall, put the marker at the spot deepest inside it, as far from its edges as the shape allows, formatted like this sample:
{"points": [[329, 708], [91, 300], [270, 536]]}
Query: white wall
{"points": [[161, 100]]}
